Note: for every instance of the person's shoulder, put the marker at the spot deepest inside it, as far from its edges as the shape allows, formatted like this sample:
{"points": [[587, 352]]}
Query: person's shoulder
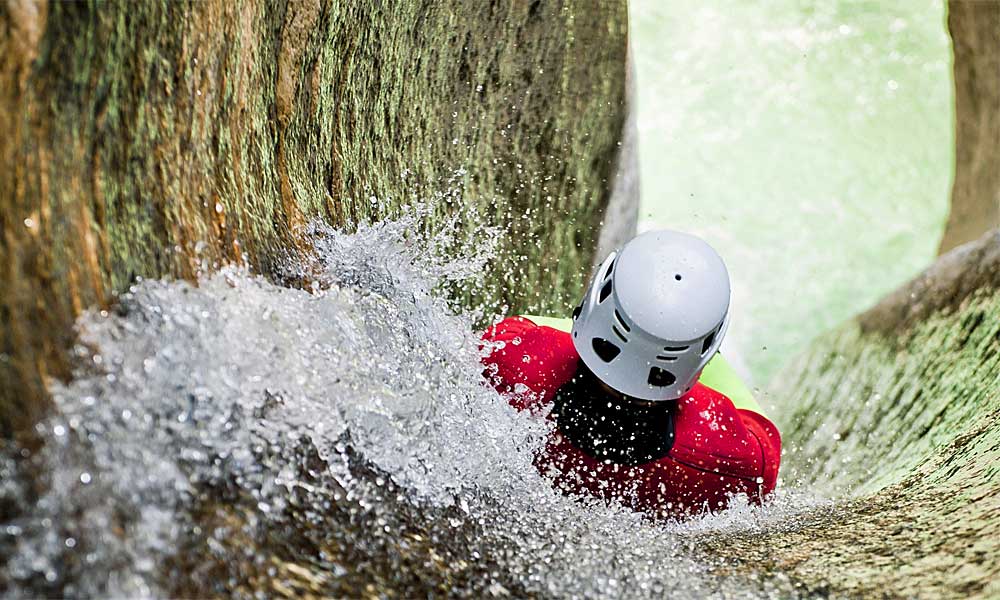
{"points": [[704, 409], [520, 329], [711, 433], [703, 395], [508, 326], [540, 358], [541, 342], [766, 431], [710, 401], [709, 415], [560, 323]]}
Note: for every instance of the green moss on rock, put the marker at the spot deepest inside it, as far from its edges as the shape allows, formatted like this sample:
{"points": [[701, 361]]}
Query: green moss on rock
{"points": [[161, 138], [898, 414]]}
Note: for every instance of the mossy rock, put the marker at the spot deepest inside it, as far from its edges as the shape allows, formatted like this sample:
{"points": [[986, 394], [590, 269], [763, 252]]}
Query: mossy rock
{"points": [[162, 139]]}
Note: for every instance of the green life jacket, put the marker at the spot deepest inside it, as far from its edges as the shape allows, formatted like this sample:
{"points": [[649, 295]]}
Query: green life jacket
{"points": [[717, 374]]}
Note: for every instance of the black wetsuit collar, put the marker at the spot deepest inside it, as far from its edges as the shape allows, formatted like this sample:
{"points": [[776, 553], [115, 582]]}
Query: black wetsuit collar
{"points": [[621, 431]]}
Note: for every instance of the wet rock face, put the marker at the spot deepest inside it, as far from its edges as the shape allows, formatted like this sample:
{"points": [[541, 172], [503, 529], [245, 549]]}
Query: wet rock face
{"points": [[975, 198], [898, 412], [164, 138]]}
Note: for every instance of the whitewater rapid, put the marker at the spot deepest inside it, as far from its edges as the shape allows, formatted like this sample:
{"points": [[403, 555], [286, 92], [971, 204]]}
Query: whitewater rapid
{"points": [[215, 434]]}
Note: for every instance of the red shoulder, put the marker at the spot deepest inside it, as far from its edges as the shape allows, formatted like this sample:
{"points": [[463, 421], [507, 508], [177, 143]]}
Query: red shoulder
{"points": [[770, 445], [528, 361], [712, 434]]}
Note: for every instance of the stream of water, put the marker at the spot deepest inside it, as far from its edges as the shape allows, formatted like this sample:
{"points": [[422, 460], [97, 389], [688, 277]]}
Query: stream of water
{"points": [[221, 432], [243, 437]]}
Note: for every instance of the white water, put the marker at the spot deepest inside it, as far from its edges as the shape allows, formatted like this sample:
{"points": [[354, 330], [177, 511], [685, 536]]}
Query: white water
{"points": [[352, 416]]}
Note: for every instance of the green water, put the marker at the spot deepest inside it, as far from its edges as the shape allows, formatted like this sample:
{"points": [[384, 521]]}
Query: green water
{"points": [[811, 143]]}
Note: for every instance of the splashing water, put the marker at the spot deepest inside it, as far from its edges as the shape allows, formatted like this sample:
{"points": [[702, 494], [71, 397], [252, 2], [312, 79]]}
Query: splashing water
{"points": [[239, 437]]}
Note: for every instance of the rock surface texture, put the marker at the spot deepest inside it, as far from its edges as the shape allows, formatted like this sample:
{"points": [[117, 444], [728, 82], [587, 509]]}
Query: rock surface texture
{"points": [[897, 413], [975, 200], [164, 139]]}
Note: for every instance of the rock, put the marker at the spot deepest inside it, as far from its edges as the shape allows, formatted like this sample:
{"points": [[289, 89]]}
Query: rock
{"points": [[914, 384], [975, 197], [163, 139]]}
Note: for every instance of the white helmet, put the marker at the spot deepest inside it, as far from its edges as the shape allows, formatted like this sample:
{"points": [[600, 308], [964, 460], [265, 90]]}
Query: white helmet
{"points": [[654, 315]]}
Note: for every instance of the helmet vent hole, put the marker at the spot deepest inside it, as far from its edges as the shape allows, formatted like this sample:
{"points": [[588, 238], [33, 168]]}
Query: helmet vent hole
{"points": [[611, 267], [666, 358], [678, 277], [676, 348], [620, 335], [576, 311], [707, 343], [605, 292], [661, 377], [621, 321], [605, 350]]}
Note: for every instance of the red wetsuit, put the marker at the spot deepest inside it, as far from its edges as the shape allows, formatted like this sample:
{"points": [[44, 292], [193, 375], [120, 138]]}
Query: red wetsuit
{"points": [[716, 451]]}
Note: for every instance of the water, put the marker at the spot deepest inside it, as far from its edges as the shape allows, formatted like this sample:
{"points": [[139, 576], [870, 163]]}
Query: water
{"points": [[811, 142], [243, 437], [239, 435]]}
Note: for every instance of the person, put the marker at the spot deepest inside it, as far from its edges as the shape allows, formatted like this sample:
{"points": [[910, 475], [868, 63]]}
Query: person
{"points": [[645, 409]]}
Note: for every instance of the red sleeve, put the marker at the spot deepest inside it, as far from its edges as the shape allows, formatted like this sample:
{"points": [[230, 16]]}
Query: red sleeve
{"points": [[769, 439], [508, 329], [527, 362], [739, 445]]}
